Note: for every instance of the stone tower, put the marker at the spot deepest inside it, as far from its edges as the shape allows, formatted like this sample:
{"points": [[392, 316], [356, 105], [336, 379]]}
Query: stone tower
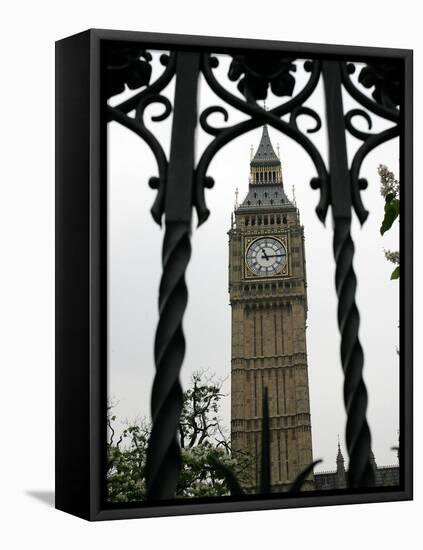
{"points": [[267, 287]]}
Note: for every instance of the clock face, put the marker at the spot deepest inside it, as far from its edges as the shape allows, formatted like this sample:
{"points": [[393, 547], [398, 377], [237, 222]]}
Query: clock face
{"points": [[266, 256]]}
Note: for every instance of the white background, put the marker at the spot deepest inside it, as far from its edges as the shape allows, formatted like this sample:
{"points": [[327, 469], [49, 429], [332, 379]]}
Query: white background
{"points": [[27, 276]]}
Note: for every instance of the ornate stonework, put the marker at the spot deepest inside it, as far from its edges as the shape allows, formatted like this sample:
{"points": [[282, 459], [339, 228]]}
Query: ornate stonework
{"points": [[268, 297]]}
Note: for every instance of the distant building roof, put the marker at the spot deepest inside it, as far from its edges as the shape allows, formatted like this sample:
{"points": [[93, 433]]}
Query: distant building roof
{"points": [[386, 476]]}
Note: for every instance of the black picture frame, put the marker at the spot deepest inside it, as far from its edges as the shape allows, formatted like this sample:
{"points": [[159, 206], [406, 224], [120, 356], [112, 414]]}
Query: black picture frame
{"points": [[81, 279]]}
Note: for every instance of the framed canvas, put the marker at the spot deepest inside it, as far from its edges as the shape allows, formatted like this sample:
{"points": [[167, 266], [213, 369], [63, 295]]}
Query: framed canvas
{"points": [[233, 331]]}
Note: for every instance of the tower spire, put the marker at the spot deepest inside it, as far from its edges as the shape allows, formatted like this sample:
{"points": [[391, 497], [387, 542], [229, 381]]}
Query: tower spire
{"points": [[265, 165], [265, 154]]}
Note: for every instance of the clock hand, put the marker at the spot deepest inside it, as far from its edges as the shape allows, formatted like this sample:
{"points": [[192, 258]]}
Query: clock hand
{"points": [[264, 255], [276, 256]]}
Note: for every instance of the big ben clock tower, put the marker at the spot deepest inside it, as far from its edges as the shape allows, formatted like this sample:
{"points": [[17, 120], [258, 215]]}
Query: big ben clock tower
{"points": [[267, 287]]}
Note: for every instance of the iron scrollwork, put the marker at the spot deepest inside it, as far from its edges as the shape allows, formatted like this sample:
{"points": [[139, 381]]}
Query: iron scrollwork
{"points": [[139, 102], [339, 185], [386, 81], [386, 100], [253, 85]]}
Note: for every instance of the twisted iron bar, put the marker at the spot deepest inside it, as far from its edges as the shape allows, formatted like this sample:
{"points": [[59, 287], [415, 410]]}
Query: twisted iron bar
{"points": [[164, 454], [345, 189], [360, 472], [169, 350]]}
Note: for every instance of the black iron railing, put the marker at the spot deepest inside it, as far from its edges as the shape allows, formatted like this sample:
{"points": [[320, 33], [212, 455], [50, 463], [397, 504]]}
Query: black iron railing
{"points": [[180, 187]]}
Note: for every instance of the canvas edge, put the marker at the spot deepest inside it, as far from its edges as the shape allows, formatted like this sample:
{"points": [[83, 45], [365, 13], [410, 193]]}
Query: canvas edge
{"points": [[97, 317]]}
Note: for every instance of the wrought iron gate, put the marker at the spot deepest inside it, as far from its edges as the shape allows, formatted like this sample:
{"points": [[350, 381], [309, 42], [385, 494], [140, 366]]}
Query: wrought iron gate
{"points": [[181, 185]]}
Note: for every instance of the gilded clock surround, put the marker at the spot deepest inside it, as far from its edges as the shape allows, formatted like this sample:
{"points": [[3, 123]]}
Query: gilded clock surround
{"points": [[248, 241]]}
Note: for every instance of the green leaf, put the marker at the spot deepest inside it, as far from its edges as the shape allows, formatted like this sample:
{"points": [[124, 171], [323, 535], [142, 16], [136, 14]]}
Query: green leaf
{"points": [[392, 210], [396, 273]]}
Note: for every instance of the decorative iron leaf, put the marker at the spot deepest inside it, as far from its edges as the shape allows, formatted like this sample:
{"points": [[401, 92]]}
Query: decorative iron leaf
{"points": [[258, 72], [386, 77], [126, 65]]}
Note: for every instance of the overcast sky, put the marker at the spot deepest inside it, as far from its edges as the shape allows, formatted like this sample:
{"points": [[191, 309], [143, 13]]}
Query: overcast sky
{"points": [[135, 243]]}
